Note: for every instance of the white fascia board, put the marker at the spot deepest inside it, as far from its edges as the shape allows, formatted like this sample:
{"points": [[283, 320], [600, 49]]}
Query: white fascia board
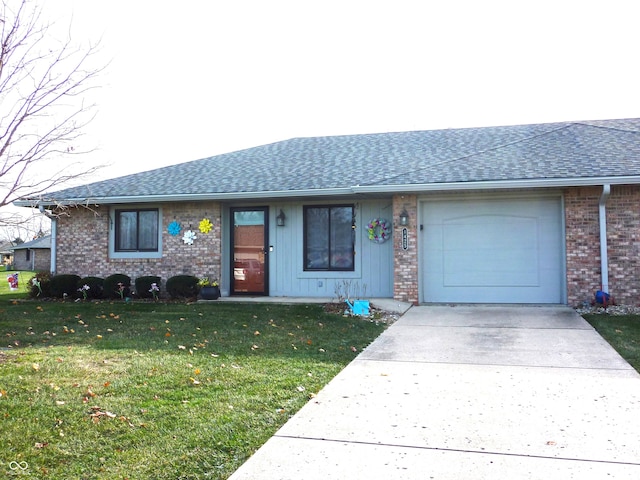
{"points": [[499, 184], [356, 189], [123, 199]]}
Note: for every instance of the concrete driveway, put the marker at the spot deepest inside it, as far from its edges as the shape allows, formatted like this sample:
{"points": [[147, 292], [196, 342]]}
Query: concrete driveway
{"points": [[477, 392]]}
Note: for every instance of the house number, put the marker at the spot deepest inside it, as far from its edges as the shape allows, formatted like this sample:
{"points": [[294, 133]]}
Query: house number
{"points": [[405, 239]]}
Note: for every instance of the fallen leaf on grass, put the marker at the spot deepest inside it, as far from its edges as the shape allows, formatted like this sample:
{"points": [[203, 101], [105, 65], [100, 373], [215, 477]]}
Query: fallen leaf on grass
{"points": [[97, 413], [41, 445], [35, 366]]}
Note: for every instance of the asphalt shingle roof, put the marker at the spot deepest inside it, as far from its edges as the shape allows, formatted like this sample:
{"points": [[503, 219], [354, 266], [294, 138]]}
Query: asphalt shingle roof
{"points": [[42, 242], [569, 150]]}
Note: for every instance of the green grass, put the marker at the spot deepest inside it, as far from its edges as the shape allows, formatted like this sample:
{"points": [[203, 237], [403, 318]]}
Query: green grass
{"points": [[622, 332], [158, 391], [23, 281]]}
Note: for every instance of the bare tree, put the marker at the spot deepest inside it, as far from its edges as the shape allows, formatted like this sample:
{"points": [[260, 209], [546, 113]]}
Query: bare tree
{"points": [[44, 82]]}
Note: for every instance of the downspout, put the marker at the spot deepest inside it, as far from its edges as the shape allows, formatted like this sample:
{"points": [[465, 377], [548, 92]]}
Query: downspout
{"points": [[54, 231], [604, 260]]}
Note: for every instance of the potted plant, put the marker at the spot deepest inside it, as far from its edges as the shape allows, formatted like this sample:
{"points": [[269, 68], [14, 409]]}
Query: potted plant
{"points": [[209, 289]]}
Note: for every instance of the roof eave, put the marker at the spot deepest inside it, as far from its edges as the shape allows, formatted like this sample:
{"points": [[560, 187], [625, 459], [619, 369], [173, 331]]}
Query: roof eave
{"points": [[356, 189], [123, 199], [500, 184]]}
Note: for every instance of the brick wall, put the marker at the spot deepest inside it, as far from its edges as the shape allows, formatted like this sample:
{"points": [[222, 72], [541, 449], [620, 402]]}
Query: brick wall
{"points": [[583, 244], [83, 244], [623, 243], [405, 264], [39, 259]]}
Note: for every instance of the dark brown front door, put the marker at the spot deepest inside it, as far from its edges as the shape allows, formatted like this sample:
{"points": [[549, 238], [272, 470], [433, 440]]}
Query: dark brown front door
{"points": [[250, 254]]}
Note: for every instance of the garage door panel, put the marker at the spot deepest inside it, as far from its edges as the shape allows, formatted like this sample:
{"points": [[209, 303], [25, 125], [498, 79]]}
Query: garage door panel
{"points": [[495, 251], [502, 248]]}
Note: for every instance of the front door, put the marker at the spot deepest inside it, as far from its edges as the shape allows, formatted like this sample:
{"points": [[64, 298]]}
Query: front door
{"points": [[250, 254]]}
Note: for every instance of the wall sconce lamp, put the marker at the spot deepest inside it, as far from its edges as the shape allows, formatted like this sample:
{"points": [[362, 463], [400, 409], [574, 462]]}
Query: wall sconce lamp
{"points": [[280, 219], [404, 217]]}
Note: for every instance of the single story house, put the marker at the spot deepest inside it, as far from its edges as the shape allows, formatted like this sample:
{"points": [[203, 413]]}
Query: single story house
{"points": [[6, 252], [544, 213], [34, 255]]}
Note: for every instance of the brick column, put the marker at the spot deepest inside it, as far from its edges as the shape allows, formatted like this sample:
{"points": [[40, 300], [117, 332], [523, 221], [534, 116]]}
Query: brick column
{"points": [[405, 262]]}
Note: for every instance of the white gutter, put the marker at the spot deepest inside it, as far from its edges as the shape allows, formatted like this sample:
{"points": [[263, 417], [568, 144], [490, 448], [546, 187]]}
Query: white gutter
{"points": [[355, 189], [499, 184], [187, 197], [54, 231], [604, 259]]}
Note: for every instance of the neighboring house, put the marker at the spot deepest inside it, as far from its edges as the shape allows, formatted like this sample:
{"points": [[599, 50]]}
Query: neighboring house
{"points": [[34, 255], [6, 250], [546, 213]]}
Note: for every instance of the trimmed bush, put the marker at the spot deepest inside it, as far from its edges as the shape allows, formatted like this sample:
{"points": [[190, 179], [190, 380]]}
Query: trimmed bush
{"points": [[112, 285], [44, 279], [143, 286], [182, 286], [64, 283], [96, 287]]}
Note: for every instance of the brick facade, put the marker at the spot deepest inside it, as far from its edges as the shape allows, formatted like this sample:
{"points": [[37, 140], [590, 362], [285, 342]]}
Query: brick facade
{"points": [[583, 243], [582, 237], [82, 245], [83, 238], [405, 264], [38, 259]]}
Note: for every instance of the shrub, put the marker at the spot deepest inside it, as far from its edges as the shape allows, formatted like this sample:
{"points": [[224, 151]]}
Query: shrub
{"points": [[182, 286], [44, 281], [96, 286], [112, 285], [64, 283], [143, 286]]}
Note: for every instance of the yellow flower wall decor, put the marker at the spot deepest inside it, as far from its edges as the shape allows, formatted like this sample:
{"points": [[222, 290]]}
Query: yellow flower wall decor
{"points": [[205, 225]]}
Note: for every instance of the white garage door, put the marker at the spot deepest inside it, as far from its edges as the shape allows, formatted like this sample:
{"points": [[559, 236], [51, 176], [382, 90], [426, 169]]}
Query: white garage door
{"points": [[505, 250]]}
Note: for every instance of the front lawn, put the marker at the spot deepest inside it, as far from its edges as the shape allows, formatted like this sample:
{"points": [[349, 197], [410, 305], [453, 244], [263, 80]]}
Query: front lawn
{"points": [[622, 332], [158, 391], [24, 276]]}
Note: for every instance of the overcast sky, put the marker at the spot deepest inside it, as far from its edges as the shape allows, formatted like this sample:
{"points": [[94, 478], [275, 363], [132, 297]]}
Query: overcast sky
{"points": [[197, 78]]}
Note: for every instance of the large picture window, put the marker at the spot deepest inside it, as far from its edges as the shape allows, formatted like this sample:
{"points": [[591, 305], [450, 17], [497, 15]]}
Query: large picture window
{"points": [[329, 237], [136, 230]]}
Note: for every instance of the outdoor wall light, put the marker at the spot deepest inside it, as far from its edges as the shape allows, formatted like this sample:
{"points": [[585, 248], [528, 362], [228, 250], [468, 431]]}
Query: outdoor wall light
{"points": [[280, 219], [404, 217]]}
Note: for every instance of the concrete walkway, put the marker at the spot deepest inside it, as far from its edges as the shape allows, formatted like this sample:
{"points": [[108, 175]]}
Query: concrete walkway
{"points": [[468, 392]]}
